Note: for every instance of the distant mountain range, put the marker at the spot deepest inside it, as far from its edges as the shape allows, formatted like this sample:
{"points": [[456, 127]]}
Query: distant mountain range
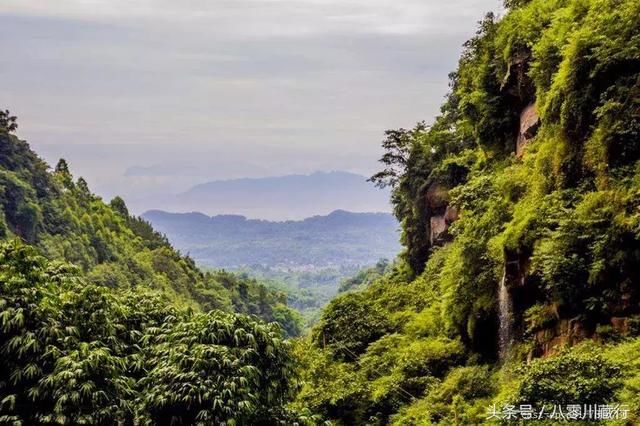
{"points": [[277, 198], [230, 241]]}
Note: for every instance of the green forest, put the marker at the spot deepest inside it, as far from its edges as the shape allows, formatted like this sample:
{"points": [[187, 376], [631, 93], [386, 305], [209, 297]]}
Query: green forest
{"points": [[103, 322], [518, 284]]}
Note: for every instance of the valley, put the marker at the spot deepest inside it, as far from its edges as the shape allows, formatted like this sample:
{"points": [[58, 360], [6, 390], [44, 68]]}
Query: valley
{"points": [[495, 282], [306, 259]]}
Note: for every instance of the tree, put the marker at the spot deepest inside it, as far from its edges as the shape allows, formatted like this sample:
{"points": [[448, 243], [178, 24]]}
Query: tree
{"points": [[83, 188], [398, 146], [62, 167], [79, 353], [349, 324], [571, 376], [62, 170], [119, 206], [513, 4], [217, 368], [405, 173], [8, 122], [412, 161]]}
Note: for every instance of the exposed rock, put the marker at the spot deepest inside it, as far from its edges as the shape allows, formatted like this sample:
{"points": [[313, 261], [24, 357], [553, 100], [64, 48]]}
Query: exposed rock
{"points": [[438, 226], [516, 81], [437, 197], [566, 332], [569, 332], [620, 325], [624, 305], [516, 268], [442, 215], [451, 214], [529, 125]]}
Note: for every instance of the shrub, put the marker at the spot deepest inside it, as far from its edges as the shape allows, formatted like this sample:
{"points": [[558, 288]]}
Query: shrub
{"points": [[572, 377], [349, 324]]}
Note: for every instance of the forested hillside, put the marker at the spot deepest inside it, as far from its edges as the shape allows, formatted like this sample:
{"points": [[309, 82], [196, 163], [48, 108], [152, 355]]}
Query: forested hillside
{"points": [[60, 216], [520, 211], [75, 352], [517, 293], [103, 322]]}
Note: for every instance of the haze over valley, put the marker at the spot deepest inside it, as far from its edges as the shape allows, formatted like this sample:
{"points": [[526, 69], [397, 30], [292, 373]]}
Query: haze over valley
{"points": [[231, 241], [320, 212], [289, 197]]}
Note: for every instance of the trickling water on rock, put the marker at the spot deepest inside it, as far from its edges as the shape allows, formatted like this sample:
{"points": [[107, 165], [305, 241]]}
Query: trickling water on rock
{"points": [[505, 306]]}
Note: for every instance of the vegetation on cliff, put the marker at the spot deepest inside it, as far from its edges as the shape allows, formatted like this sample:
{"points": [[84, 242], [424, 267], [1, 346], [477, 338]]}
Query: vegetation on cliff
{"points": [[530, 179], [526, 186]]}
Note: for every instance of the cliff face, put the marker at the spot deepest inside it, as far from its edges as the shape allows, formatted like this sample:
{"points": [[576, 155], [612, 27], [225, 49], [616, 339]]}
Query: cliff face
{"points": [[520, 212], [532, 173], [441, 214]]}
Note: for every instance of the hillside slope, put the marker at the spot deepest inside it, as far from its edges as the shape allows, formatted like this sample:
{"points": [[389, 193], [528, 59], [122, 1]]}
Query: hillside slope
{"points": [[132, 332], [65, 221], [520, 208]]}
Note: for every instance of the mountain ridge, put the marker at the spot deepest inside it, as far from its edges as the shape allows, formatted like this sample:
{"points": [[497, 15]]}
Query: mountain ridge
{"points": [[275, 198], [228, 241], [333, 214], [292, 176]]}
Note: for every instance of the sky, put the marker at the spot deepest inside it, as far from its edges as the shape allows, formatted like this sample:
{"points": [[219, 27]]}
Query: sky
{"points": [[153, 96]]}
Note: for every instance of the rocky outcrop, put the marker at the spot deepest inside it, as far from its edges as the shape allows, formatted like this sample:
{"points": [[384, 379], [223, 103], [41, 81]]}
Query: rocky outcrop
{"points": [[438, 227], [437, 197], [566, 332], [516, 83], [519, 90], [516, 268], [451, 214], [441, 214], [529, 124], [621, 325], [557, 326]]}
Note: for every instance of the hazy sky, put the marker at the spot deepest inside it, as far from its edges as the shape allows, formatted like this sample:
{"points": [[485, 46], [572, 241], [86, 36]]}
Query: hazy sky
{"points": [[155, 95]]}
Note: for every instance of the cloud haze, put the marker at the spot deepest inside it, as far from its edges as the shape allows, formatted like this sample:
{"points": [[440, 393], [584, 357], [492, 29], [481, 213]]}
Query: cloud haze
{"points": [[198, 90]]}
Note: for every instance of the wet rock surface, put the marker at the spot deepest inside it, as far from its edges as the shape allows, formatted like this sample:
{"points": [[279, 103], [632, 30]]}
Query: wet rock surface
{"points": [[529, 124]]}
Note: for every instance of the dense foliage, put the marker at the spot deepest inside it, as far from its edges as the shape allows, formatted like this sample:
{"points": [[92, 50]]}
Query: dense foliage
{"points": [[111, 247], [103, 322], [75, 352], [520, 215], [529, 180]]}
